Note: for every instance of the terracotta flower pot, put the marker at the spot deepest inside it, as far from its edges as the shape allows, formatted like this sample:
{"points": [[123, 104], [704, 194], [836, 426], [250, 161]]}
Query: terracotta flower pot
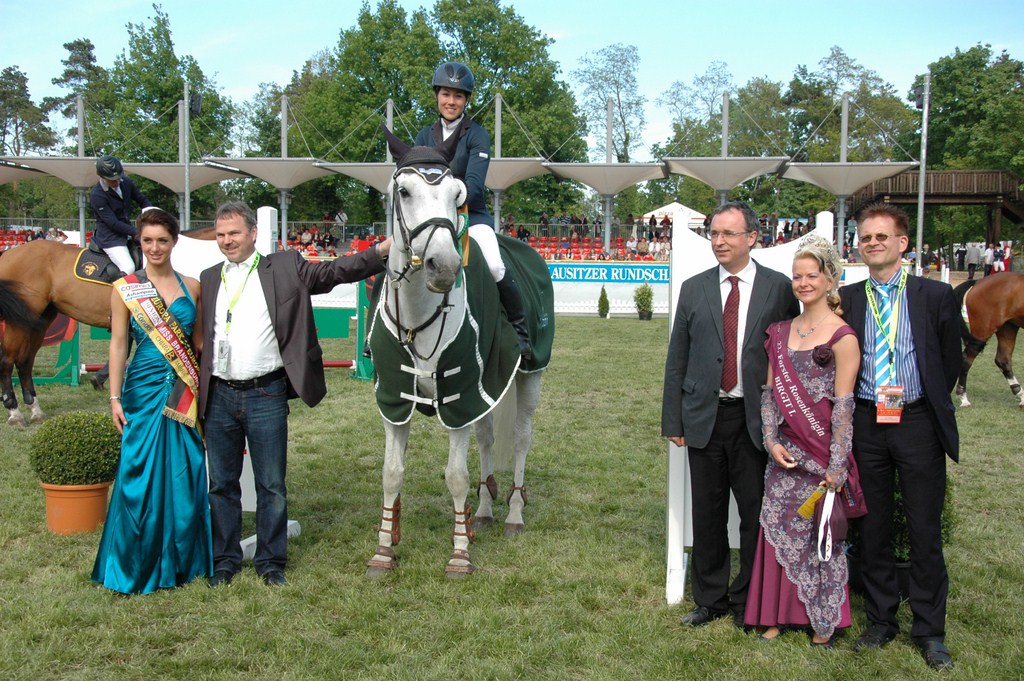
{"points": [[75, 508]]}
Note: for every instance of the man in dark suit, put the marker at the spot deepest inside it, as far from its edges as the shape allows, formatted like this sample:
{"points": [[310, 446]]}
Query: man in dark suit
{"points": [[712, 403], [914, 359], [259, 349]]}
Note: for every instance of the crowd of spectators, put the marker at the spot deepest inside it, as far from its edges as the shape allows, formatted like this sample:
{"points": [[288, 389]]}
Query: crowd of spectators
{"points": [[9, 238]]}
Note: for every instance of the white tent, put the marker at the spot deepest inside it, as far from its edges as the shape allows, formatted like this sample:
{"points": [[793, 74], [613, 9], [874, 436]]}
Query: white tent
{"points": [[679, 215]]}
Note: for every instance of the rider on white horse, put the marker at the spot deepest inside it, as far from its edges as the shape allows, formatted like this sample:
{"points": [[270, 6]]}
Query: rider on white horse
{"points": [[453, 86]]}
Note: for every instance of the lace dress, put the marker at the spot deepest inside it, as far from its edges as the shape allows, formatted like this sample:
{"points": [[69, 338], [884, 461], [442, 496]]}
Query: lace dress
{"points": [[790, 585]]}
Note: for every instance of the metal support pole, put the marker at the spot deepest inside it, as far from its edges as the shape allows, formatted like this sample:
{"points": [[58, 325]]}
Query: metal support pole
{"points": [[723, 194], [187, 213], [283, 230], [81, 192], [725, 124], [922, 169], [610, 107], [276, 238], [497, 154], [608, 198], [844, 136], [389, 209]]}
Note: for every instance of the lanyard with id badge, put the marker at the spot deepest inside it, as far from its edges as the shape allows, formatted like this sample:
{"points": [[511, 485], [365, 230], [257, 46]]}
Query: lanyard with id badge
{"points": [[223, 347], [888, 395]]}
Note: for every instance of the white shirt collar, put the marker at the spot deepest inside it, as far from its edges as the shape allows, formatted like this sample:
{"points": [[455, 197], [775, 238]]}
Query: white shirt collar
{"points": [[448, 128], [746, 275], [245, 264]]}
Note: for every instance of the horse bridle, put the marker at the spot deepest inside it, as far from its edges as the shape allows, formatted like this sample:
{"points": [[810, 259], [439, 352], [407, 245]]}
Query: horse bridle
{"points": [[431, 174]]}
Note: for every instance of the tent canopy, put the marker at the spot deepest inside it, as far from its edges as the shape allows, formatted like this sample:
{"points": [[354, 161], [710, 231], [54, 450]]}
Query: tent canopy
{"points": [[678, 214]]}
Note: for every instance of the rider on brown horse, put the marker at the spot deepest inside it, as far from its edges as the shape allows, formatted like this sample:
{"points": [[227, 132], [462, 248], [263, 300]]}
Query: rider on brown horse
{"points": [[111, 200]]}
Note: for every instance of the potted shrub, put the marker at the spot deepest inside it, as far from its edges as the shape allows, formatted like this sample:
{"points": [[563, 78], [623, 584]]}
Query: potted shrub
{"points": [[643, 296], [602, 303], [75, 456]]}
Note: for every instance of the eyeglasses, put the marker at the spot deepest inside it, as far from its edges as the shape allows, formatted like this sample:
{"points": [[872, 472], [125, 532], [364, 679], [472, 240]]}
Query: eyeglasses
{"points": [[715, 234], [878, 238]]}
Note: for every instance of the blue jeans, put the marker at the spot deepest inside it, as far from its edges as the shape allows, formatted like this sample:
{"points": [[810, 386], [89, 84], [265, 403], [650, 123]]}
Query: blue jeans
{"points": [[261, 415]]}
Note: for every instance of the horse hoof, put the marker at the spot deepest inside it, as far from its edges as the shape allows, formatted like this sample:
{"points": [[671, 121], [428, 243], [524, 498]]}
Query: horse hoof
{"points": [[38, 418], [377, 572], [16, 421], [458, 571], [382, 563], [514, 529], [459, 565], [482, 522]]}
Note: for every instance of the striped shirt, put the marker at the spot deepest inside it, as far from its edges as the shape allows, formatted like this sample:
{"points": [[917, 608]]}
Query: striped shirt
{"points": [[907, 374]]}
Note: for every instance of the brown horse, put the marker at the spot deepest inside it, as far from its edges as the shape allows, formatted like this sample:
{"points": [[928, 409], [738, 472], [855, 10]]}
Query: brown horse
{"points": [[37, 281], [993, 305]]}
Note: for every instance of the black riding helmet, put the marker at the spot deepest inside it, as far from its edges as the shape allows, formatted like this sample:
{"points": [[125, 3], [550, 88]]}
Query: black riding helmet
{"points": [[109, 168], [454, 75]]}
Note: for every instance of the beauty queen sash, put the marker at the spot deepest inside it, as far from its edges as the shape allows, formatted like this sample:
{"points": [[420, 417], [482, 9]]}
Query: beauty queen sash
{"points": [[810, 423], [150, 313]]}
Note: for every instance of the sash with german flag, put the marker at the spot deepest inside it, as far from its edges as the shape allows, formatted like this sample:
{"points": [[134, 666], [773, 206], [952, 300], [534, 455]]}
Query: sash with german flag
{"points": [[149, 312]]}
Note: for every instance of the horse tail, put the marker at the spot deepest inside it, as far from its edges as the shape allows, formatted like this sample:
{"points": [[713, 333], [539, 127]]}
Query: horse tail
{"points": [[14, 310], [960, 293]]}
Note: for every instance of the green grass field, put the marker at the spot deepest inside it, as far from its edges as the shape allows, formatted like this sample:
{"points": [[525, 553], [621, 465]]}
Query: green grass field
{"points": [[580, 595]]}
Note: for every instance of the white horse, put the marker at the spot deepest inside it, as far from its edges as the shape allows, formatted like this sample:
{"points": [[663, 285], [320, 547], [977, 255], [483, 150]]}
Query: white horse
{"points": [[424, 311]]}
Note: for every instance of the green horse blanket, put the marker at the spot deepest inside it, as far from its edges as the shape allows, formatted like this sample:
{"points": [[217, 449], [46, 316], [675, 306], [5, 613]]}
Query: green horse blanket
{"points": [[477, 367]]}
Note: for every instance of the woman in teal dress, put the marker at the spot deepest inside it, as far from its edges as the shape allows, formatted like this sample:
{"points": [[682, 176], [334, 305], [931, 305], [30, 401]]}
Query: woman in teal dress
{"points": [[157, 533]]}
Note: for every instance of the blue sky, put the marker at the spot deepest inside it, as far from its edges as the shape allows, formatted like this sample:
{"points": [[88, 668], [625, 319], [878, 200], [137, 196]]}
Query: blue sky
{"points": [[241, 43]]}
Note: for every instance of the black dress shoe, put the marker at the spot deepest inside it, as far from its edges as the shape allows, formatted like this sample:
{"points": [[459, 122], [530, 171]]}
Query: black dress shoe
{"points": [[737, 620], [275, 578], [936, 654], [700, 616], [221, 578], [875, 636]]}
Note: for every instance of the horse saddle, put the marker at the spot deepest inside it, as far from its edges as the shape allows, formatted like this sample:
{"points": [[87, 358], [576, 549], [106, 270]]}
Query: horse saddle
{"points": [[93, 264]]}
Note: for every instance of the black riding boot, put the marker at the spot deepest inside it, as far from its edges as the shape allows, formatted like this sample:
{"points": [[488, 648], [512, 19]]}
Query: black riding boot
{"points": [[512, 301]]}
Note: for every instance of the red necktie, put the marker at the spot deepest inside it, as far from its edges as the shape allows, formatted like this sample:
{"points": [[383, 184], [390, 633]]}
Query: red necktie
{"points": [[730, 325]]}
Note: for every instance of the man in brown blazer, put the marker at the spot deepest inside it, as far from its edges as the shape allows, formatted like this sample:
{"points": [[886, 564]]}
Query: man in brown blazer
{"points": [[260, 349]]}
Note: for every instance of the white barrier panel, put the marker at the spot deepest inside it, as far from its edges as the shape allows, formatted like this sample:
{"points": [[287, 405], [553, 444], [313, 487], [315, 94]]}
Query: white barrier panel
{"points": [[691, 255]]}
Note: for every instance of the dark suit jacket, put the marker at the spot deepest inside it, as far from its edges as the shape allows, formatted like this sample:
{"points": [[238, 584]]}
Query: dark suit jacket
{"points": [[472, 158], [114, 213], [935, 326], [693, 369], [288, 280]]}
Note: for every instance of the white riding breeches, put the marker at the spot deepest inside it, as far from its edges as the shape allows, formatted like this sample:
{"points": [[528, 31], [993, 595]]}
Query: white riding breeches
{"points": [[122, 259], [488, 243]]}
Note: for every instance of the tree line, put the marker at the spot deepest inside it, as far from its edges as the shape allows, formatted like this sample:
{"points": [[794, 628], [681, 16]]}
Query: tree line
{"points": [[336, 99]]}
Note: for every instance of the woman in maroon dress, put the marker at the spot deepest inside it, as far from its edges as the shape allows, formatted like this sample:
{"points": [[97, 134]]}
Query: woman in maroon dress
{"points": [[807, 413]]}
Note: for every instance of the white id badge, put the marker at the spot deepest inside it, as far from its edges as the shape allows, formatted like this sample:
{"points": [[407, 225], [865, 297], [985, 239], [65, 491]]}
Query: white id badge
{"points": [[222, 356]]}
